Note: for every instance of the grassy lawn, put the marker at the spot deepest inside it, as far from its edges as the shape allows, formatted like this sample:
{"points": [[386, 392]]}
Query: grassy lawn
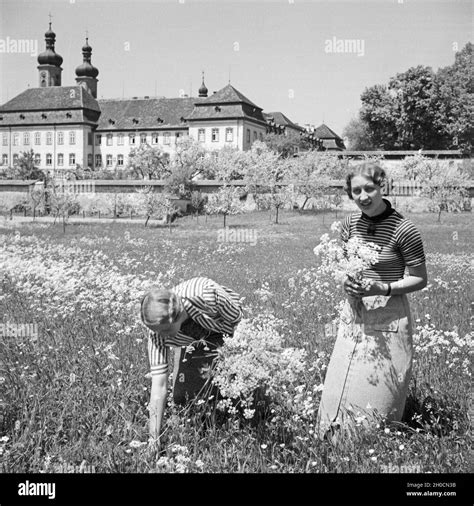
{"points": [[78, 394]]}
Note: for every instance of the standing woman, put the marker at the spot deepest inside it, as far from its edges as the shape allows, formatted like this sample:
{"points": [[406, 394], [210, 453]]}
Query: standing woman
{"points": [[198, 309], [370, 367]]}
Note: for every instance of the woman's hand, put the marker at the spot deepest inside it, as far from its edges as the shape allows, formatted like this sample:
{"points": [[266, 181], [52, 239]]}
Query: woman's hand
{"points": [[353, 288], [372, 287]]}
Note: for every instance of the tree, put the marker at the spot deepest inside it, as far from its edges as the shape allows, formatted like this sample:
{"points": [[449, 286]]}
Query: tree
{"points": [[225, 202], [156, 205], [62, 202], [378, 112], [26, 168], [454, 102], [359, 135], [149, 162], [287, 144]]}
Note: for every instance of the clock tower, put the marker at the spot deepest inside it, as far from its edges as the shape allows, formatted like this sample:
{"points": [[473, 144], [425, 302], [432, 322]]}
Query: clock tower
{"points": [[49, 63]]}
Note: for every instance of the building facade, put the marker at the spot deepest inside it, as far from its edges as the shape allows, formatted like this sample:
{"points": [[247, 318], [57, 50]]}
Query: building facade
{"points": [[68, 126]]}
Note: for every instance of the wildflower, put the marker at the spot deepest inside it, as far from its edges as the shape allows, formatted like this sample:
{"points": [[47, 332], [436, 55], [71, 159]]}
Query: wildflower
{"points": [[136, 444], [387, 430], [4, 439], [374, 459], [371, 451], [17, 425], [199, 463], [263, 446], [401, 447]]}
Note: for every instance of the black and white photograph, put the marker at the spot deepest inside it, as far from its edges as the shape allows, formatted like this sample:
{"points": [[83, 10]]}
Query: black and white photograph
{"points": [[236, 252]]}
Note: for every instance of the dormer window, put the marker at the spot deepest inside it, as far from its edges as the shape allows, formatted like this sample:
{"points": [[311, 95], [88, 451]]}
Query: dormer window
{"points": [[182, 119], [135, 121], [68, 115], [217, 108], [22, 116], [43, 116], [111, 121], [159, 120]]}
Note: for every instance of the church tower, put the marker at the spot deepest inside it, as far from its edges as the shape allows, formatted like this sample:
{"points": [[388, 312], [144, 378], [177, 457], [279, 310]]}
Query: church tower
{"points": [[86, 73], [49, 63]]}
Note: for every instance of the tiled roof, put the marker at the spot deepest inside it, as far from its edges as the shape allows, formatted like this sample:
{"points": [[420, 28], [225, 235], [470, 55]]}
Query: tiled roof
{"points": [[229, 94], [324, 132], [52, 98], [225, 111], [147, 113], [281, 119]]}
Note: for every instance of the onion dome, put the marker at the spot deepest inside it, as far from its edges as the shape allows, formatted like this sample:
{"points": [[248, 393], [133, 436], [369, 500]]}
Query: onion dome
{"points": [[86, 69], [50, 57], [203, 90]]}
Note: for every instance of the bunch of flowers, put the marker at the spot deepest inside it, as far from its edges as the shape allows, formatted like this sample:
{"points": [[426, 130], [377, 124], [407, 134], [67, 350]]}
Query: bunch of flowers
{"points": [[342, 259], [254, 359]]}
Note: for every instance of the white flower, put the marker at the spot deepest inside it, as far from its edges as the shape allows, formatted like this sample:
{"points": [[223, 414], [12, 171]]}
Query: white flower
{"points": [[401, 447], [136, 444], [263, 446]]}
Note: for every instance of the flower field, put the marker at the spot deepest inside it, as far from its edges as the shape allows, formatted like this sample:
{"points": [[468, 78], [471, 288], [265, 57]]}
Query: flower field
{"points": [[76, 392]]}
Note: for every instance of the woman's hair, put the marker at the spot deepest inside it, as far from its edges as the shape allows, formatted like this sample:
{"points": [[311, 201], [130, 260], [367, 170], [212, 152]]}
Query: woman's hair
{"points": [[372, 170], [160, 306]]}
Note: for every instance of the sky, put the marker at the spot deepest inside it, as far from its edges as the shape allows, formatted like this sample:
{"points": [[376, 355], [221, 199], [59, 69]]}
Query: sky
{"points": [[292, 56]]}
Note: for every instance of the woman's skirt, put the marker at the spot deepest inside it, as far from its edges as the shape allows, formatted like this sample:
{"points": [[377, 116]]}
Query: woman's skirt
{"points": [[370, 367]]}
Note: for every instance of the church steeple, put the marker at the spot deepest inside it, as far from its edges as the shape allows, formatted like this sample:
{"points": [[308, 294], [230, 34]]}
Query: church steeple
{"points": [[49, 62], [203, 90], [86, 72]]}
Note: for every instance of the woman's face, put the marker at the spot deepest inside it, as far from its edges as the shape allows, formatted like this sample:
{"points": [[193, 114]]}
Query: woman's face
{"points": [[367, 195]]}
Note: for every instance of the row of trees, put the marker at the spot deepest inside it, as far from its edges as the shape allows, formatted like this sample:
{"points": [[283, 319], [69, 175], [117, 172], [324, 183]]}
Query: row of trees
{"points": [[418, 109], [272, 181]]}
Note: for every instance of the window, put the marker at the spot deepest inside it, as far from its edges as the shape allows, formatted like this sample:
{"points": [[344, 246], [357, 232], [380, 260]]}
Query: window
{"points": [[5, 139], [4, 159], [109, 139], [49, 138], [215, 135], [49, 159], [131, 139], [72, 159], [120, 160], [120, 140], [201, 135], [89, 138], [229, 134], [37, 138], [254, 135], [37, 159], [98, 140], [98, 160], [15, 139], [89, 160], [108, 160], [60, 159], [60, 137], [178, 135], [166, 138], [248, 134], [261, 136], [142, 138], [72, 138], [154, 138], [15, 159], [26, 138]]}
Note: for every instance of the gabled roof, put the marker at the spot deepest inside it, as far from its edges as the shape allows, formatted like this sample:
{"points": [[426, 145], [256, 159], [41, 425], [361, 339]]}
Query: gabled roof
{"points": [[147, 113], [228, 94], [324, 132], [51, 98], [281, 119]]}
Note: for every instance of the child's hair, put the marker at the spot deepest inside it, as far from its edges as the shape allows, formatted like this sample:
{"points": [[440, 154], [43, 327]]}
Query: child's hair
{"points": [[160, 306], [373, 170]]}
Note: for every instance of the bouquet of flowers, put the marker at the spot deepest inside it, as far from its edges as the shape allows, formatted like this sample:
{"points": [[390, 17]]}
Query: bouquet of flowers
{"points": [[252, 360], [341, 259]]}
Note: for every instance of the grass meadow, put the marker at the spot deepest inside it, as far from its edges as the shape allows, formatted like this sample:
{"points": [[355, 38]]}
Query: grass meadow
{"points": [[75, 393]]}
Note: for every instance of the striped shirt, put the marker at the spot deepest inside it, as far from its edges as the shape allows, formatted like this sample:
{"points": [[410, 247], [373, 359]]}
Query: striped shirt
{"points": [[214, 307], [400, 241]]}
